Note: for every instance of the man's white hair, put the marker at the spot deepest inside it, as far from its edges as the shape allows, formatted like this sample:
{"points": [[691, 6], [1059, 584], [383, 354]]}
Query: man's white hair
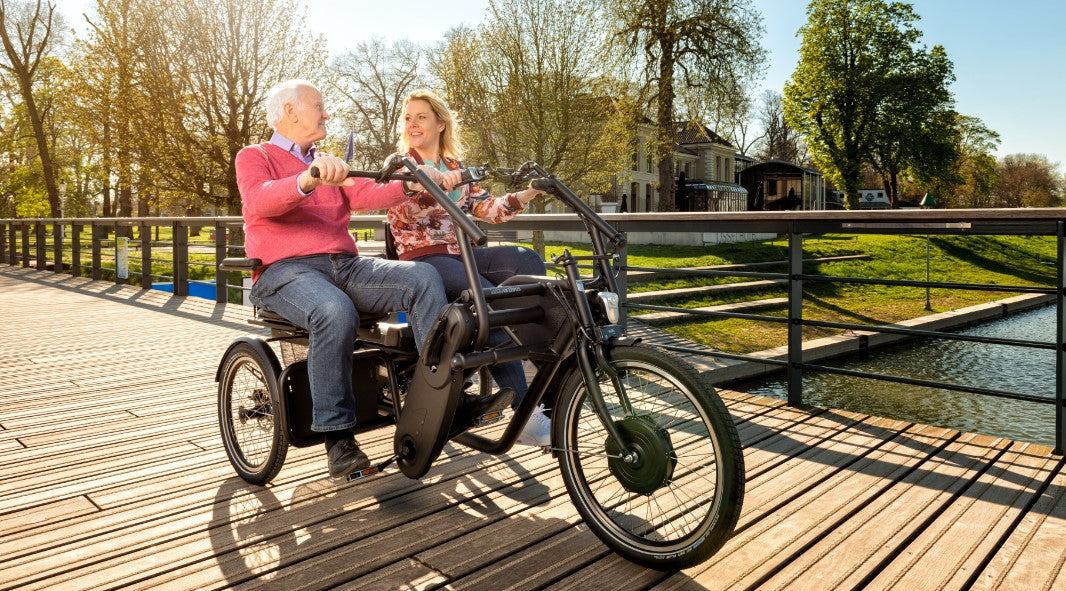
{"points": [[282, 93]]}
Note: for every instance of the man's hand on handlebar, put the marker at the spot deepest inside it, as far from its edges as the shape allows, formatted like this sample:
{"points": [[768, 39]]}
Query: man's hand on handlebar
{"points": [[331, 171]]}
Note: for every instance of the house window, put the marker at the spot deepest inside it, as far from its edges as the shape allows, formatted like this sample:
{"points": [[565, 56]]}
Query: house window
{"points": [[718, 168], [636, 159], [649, 162], [647, 197], [771, 187]]}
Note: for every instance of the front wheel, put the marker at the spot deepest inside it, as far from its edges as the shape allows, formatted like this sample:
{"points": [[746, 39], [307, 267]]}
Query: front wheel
{"points": [[248, 414], [669, 496]]}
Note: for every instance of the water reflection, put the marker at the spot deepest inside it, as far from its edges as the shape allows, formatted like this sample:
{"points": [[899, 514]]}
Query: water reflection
{"points": [[1015, 369]]}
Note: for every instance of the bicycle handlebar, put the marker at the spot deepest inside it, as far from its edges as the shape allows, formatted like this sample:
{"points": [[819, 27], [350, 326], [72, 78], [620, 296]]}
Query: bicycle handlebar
{"points": [[471, 174], [416, 175]]}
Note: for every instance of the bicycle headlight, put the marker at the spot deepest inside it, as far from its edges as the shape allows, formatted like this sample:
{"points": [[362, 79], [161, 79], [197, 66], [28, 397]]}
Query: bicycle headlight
{"points": [[609, 301]]}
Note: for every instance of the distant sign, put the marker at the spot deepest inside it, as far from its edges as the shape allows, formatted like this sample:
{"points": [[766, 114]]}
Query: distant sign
{"points": [[122, 257]]}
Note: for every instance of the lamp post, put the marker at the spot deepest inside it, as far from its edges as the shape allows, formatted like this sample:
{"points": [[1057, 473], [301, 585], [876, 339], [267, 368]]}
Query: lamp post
{"points": [[927, 203]]}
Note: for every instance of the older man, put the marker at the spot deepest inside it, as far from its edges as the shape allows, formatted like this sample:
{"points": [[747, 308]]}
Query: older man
{"points": [[312, 273]]}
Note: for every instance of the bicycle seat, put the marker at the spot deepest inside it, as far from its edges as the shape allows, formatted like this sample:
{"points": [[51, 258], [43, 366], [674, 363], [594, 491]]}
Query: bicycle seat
{"points": [[239, 264], [380, 329]]}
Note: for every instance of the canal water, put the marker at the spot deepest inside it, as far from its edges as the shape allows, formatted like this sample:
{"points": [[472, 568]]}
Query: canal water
{"points": [[1001, 367]]}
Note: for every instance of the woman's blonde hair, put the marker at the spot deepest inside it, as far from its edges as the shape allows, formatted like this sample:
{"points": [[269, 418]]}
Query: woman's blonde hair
{"points": [[450, 144]]}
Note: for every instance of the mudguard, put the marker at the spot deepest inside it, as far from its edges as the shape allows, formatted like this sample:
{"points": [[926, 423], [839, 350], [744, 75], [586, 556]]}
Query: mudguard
{"points": [[433, 394]]}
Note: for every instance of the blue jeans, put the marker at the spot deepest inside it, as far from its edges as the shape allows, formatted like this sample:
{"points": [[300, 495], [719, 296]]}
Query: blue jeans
{"points": [[323, 294], [494, 264]]}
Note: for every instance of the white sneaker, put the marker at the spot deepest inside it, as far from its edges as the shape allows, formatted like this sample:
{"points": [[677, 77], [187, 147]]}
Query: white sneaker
{"points": [[537, 431]]}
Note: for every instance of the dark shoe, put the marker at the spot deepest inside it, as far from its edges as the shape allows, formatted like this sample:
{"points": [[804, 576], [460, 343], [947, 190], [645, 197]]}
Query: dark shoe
{"points": [[345, 457], [472, 407]]}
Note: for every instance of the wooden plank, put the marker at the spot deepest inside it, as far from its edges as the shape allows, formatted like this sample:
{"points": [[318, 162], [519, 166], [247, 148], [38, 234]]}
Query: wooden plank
{"points": [[851, 552], [252, 518], [951, 548], [1034, 556], [16, 522], [824, 483]]}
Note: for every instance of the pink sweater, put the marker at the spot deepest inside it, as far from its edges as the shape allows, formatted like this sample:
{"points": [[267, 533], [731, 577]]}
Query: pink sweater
{"points": [[279, 222]]}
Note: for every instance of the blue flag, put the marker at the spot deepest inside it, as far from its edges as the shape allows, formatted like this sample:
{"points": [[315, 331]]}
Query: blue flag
{"points": [[350, 153]]}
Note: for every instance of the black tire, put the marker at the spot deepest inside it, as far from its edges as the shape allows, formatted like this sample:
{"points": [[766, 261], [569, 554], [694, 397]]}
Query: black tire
{"points": [[678, 498], [248, 409]]}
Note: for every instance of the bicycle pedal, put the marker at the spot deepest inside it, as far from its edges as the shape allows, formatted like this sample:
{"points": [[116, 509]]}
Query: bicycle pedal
{"points": [[489, 418], [372, 470], [365, 472]]}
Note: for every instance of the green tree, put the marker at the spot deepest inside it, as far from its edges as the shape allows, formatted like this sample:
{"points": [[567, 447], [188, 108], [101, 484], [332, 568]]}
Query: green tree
{"points": [[915, 130], [529, 84], [685, 46], [854, 55], [969, 180], [203, 71], [108, 65], [27, 31]]}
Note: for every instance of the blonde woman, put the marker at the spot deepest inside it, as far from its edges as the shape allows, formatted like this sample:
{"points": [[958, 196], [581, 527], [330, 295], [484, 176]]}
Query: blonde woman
{"points": [[422, 230]]}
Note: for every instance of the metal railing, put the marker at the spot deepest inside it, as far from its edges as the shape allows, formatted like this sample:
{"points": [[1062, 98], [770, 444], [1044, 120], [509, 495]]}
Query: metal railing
{"points": [[30, 243], [161, 252]]}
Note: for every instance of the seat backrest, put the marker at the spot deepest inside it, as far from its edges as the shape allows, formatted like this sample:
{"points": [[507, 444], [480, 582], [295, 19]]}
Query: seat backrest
{"points": [[390, 243]]}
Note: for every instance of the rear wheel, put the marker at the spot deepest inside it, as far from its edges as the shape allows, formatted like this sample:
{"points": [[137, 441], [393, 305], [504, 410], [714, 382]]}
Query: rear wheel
{"points": [[670, 496], [248, 414]]}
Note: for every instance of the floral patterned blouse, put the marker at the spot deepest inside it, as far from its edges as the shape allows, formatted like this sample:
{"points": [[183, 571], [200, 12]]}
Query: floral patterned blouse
{"points": [[421, 227]]}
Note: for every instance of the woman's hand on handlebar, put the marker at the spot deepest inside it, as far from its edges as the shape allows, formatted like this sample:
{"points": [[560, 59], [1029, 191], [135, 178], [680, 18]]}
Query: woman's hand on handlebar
{"points": [[331, 171], [446, 179], [528, 195]]}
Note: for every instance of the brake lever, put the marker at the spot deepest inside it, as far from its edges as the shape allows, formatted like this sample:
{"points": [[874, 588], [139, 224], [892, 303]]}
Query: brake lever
{"points": [[394, 163]]}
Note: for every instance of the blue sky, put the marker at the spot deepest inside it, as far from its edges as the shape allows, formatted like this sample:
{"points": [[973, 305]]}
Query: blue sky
{"points": [[1008, 56]]}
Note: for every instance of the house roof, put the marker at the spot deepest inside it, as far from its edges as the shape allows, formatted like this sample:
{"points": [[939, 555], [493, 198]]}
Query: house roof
{"points": [[778, 167], [690, 132]]}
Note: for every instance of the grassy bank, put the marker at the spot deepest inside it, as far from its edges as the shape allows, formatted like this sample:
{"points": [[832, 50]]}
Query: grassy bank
{"points": [[999, 260]]}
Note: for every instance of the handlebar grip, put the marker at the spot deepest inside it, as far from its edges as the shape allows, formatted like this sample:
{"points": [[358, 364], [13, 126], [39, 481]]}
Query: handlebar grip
{"points": [[542, 184]]}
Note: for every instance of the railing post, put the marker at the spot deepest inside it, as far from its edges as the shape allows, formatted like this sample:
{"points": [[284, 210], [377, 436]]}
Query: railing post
{"points": [[40, 230], [3, 242], [1060, 342], [25, 245], [75, 250], [623, 283], [795, 316], [57, 246], [181, 259], [97, 273], [145, 232], [12, 241], [221, 277]]}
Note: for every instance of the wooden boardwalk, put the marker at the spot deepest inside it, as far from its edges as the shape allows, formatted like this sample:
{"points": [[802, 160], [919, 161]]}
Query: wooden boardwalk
{"points": [[112, 476]]}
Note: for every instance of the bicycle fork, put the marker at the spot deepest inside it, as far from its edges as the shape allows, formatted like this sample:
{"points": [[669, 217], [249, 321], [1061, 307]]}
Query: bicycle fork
{"points": [[588, 344]]}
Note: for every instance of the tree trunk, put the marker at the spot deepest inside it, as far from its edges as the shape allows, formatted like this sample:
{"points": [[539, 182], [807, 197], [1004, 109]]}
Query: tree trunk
{"points": [[665, 140], [538, 235]]}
